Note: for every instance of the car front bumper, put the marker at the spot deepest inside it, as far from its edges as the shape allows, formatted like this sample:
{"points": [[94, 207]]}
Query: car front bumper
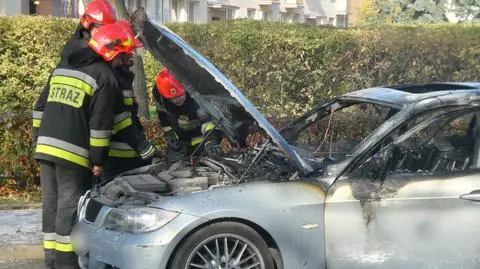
{"points": [[104, 248]]}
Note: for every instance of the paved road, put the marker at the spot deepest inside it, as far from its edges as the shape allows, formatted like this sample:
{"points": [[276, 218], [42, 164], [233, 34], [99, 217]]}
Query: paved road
{"points": [[21, 264], [20, 226], [20, 236]]}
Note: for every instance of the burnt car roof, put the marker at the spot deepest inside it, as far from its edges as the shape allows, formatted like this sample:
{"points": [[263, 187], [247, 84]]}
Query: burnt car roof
{"points": [[400, 95], [395, 97]]}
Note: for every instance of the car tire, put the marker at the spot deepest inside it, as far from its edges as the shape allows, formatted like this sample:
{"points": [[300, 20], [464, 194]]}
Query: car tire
{"points": [[206, 247]]}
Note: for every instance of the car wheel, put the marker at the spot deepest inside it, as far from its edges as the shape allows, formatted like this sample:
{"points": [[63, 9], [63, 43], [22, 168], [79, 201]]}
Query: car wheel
{"points": [[223, 245]]}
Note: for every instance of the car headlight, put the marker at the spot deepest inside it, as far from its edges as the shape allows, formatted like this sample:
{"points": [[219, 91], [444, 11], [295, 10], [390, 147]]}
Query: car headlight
{"points": [[138, 220]]}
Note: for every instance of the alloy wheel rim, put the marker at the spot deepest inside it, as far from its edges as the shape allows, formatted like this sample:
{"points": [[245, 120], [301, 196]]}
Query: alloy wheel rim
{"points": [[225, 251]]}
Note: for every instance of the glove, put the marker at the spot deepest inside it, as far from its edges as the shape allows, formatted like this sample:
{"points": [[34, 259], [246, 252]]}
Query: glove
{"points": [[176, 151], [169, 135]]}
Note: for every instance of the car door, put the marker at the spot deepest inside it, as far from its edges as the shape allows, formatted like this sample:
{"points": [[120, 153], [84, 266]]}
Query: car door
{"points": [[412, 201]]}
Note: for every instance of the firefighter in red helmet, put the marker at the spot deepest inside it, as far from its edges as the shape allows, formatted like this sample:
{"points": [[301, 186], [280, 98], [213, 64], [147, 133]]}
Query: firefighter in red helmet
{"points": [[182, 116], [82, 111], [122, 155], [97, 13]]}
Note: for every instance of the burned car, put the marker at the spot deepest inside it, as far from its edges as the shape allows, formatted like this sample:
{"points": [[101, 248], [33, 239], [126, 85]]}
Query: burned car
{"points": [[402, 193]]}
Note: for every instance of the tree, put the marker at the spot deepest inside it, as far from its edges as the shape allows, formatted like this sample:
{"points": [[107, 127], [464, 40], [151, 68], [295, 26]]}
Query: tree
{"points": [[466, 9], [367, 12], [406, 11]]}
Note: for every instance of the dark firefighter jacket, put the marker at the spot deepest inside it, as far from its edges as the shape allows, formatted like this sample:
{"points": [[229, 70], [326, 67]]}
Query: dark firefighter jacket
{"points": [[187, 121], [121, 145], [77, 41], [81, 111], [134, 137]]}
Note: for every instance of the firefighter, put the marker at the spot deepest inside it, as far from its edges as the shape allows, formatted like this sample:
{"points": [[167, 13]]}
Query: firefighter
{"points": [[79, 116], [122, 155], [181, 116], [97, 13]]}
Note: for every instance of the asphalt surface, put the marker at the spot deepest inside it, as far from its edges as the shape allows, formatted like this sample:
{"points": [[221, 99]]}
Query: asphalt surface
{"points": [[20, 227], [28, 264], [21, 239]]}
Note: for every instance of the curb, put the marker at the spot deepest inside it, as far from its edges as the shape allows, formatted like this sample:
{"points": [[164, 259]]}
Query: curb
{"points": [[21, 252], [20, 206]]}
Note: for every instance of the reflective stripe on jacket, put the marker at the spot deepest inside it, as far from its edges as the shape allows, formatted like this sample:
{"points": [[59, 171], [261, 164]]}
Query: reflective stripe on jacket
{"points": [[129, 142], [78, 115]]}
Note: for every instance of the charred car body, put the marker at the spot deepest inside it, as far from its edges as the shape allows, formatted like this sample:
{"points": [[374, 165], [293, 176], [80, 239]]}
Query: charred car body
{"points": [[399, 195]]}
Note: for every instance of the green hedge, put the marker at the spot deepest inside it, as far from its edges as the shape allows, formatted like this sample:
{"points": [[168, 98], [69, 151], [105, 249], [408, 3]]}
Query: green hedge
{"points": [[285, 69]]}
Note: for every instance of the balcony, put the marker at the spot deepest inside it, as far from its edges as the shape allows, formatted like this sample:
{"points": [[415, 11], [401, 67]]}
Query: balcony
{"points": [[294, 3], [216, 3], [268, 2], [221, 4]]}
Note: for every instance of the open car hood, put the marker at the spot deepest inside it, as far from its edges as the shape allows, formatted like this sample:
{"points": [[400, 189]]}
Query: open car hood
{"points": [[213, 92]]}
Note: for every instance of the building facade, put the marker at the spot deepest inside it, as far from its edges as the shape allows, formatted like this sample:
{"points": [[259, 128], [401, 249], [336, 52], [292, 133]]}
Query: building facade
{"points": [[316, 12], [353, 10], [17, 7], [60, 8]]}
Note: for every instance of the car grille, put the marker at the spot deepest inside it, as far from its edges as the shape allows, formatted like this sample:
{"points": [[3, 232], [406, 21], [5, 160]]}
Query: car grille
{"points": [[92, 210]]}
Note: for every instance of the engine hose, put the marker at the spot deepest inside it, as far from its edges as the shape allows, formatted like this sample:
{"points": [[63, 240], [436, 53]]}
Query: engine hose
{"points": [[216, 165]]}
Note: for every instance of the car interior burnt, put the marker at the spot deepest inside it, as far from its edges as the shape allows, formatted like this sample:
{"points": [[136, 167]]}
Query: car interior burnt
{"points": [[440, 141], [322, 134]]}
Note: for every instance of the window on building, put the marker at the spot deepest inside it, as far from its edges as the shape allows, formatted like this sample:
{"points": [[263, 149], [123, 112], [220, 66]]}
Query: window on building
{"points": [[296, 18], [331, 21], [311, 21], [341, 21], [215, 18], [135, 4], [323, 20], [159, 12], [251, 13], [230, 14], [33, 7], [264, 16], [174, 11], [192, 9]]}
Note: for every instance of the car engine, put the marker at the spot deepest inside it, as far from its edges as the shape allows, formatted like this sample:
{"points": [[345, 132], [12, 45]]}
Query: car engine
{"points": [[160, 179]]}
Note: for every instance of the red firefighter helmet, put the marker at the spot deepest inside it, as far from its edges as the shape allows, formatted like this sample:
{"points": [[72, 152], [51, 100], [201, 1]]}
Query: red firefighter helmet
{"points": [[127, 26], [110, 40], [98, 12], [168, 86]]}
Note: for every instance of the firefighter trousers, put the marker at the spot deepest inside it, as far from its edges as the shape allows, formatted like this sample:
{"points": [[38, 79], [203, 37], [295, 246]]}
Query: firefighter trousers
{"points": [[62, 187]]}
